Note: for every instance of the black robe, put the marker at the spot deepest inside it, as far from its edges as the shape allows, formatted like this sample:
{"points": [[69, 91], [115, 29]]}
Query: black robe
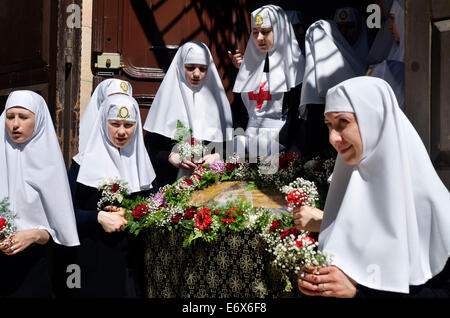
{"points": [[159, 148], [110, 263], [27, 274]]}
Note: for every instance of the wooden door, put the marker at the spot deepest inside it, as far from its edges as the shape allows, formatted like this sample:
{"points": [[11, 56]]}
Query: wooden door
{"points": [[28, 49], [427, 77], [147, 34]]}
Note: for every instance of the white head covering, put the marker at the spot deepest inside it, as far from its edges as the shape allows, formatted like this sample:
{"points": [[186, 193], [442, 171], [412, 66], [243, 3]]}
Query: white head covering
{"points": [[286, 61], [204, 109], [329, 60], [104, 89], [397, 52], [34, 176], [386, 220], [382, 43], [361, 45], [101, 159]]}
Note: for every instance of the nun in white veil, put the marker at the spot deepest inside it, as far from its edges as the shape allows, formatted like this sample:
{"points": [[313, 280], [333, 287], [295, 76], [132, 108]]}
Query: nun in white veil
{"points": [[108, 256], [392, 69], [386, 220], [353, 27], [269, 81], [192, 93], [330, 59], [108, 87], [34, 179]]}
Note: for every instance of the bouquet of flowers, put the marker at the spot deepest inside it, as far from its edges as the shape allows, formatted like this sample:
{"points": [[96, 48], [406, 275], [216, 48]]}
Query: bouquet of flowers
{"points": [[187, 146], [113, 192], [292, 249], [7, 227], [300, 192]]}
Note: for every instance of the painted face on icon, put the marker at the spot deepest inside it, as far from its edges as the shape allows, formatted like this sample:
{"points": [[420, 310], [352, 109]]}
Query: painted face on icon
{"points": [[344, 136], [20, 124], [195, 74]]}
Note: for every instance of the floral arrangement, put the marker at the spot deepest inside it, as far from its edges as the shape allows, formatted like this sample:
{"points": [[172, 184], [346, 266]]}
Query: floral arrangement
{"points": [[113, 191], [170, 207], [187, 146], [7, 217]]}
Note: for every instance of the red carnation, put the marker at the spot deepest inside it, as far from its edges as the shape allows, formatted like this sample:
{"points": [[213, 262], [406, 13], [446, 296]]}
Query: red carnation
{"points": [[230, 166], [176, 218], [227, 221], [284, 160], [188, 181], [115, 187], [297, 197], [286, 232], [299, 244], [190, 212], [3, 223], [275, 225], [203, 219], [232, 211], [139, 211]]}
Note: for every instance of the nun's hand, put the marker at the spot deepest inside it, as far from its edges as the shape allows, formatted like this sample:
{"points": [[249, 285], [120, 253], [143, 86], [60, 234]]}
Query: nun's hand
{"points": [[236, 58], [174, 159], [327, 281], [21, 240], [112, 221], [210, 158], [307, 218]]}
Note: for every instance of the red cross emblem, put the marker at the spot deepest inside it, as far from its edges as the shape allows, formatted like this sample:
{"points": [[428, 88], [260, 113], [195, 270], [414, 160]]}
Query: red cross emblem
{"points": [[261, 96]]}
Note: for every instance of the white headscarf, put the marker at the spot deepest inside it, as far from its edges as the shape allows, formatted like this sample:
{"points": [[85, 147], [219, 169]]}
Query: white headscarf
{"points": [[286, 61], [361, 45], [34, 175], [205, 109], [392, 70], [386, 220], [397, 52], [104, 89], [101, 159], [382, 43], [329, 60]]}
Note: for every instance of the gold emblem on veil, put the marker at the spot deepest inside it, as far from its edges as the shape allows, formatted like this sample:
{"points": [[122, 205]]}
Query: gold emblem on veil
{"points": [[258, 20], [124, 87], [343, 15], [123, 113]]}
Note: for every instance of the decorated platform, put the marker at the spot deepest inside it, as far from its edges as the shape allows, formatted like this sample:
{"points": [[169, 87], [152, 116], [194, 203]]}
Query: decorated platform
{"points": [[227, 230]]}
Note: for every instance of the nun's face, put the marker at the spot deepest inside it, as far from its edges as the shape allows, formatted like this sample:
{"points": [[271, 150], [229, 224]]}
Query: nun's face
{"points": [[20, 124], [120, 132], [263, 38], [195, 74], [345, 136]]}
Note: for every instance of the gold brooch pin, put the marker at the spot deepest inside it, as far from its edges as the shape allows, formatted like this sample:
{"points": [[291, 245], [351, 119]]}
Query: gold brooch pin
{"points": [[124, 87], [123, 112], [258, 20], [343, 15]]}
